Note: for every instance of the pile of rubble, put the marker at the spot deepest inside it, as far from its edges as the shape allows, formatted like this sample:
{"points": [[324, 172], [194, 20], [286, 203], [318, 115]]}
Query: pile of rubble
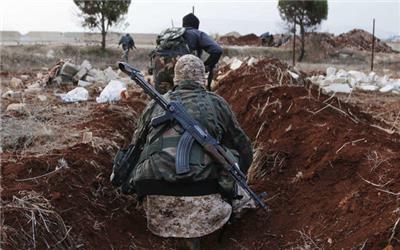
{"points": [[83, 77], [342, 81], [246, 40]]}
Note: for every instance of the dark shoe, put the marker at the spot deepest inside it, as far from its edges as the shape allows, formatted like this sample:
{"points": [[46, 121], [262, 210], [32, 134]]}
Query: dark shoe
{"points": [[191, 244]]}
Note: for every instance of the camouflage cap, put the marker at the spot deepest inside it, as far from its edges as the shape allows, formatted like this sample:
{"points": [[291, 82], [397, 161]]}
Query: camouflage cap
{"points": [[189, 67]]}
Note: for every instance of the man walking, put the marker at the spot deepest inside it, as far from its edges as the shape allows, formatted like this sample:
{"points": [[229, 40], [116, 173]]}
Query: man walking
{"points": [[127, 44]]}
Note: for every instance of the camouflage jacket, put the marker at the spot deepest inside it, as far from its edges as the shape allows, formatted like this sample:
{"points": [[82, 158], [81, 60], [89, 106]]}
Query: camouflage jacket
{"points": [[156, 168]]}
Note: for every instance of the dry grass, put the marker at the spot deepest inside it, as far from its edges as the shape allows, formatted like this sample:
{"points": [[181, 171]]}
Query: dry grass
{"points": [[25, 58], [265, 162], [307, 242], [42, 128], [30, 222]]}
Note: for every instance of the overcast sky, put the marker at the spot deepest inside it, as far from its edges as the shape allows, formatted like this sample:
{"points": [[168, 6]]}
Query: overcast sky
{"points": [[216, 16]]}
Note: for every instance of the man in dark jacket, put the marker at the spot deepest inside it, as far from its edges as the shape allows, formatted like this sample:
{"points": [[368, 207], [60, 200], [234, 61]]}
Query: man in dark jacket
{"points": [[193, 204], [196, 41], [127, 44]]}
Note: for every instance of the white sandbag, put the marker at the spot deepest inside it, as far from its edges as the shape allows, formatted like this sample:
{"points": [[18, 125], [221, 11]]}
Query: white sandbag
{"points": [[337, 88], [386, 88], [78, 94], [330, 71], [252, 61], [292, 74], [368, 87], [236, 64], [358, 76], [112, 92], [342, 73]]}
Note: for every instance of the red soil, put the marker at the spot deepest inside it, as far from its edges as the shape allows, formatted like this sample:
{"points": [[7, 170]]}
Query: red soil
{"points": [[320, 190]]}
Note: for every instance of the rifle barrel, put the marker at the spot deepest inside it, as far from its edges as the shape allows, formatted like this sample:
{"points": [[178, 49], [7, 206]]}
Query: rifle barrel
{"points": [[136, 75]]}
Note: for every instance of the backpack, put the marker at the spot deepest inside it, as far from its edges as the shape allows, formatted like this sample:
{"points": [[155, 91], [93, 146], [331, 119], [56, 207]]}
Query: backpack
{"points": [[170, 45], [171, 42]]}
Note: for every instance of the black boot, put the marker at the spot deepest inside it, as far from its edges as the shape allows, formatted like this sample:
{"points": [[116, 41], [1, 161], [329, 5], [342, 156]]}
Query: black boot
{"points": [[190, 244]]}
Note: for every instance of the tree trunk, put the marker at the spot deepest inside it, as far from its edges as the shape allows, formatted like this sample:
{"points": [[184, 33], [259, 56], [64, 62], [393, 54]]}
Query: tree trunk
{"points": [[103, 33], [103, 40], [302, 34]]}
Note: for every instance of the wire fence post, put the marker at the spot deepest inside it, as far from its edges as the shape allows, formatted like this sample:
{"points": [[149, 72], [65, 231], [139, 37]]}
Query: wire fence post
{"points": [[294, 43], [373, 45]]}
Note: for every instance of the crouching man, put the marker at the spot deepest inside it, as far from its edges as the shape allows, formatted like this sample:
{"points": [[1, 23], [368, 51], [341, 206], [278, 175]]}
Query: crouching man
{"points": [[194, 204]]}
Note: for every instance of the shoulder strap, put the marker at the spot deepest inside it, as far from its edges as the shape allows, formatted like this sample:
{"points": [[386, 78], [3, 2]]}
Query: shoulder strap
{"points": [[213, 110]]}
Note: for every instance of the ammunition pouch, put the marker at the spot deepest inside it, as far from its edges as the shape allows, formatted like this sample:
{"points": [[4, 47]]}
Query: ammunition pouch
{"points": [[124, 162]]}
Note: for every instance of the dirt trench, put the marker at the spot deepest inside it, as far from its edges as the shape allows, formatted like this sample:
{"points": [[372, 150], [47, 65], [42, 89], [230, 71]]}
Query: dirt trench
{"points": [[329, 172]]}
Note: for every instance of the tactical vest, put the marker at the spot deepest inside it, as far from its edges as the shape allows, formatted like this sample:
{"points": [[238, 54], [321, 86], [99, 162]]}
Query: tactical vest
{"points": [[156, 174]]}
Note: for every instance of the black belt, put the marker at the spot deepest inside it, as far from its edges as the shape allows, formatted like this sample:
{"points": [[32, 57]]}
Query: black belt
{"points": [[159, 187]]}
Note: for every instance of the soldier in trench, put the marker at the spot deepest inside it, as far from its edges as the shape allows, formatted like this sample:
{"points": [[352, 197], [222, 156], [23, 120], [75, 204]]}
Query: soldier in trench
{"points": [[198, 203]]}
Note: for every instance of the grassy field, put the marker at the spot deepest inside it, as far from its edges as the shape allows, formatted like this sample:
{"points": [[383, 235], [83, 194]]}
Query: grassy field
{"points": [[22, 58]]}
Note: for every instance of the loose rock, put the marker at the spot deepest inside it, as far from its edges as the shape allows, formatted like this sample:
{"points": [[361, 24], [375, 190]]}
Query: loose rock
{"points": [[42, 98], [69, 69], [16, 83], [87, 137], [17, 107], [82, 83]]}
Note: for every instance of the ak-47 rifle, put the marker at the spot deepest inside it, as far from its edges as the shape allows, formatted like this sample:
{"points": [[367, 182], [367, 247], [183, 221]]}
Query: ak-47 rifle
{"points": [[192, 131]]}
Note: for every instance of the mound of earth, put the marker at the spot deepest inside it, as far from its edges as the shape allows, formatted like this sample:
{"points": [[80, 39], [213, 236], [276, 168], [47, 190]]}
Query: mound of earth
{"points": [[249, 40], [329, 172], [323, 43], [317, 45], [361, 40]]}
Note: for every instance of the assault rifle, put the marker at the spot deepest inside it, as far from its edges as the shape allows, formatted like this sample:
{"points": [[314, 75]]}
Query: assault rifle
{"points": [[192, 131]]}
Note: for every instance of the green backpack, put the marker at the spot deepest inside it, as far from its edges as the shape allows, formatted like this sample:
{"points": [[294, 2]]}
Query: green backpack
{"points": [[170, 46], [171, 40]]}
